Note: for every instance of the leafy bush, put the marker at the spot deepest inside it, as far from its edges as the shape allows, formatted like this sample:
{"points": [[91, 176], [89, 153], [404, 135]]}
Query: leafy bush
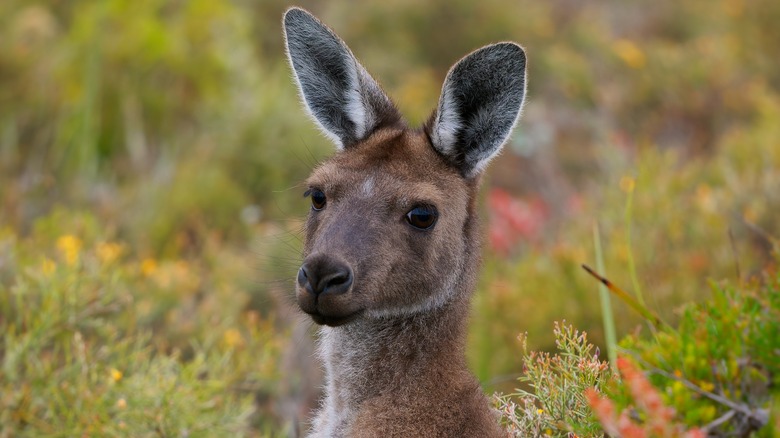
{"points": [[719, 365], [98, 341], [715, 373], [658, 420], [556, 404]]}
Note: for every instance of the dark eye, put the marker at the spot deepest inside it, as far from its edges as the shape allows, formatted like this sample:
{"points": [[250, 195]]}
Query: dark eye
{"points": [[317, 199], [422, 216]]}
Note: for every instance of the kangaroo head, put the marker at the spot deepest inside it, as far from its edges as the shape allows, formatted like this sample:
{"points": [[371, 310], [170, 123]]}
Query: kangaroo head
{"points": [[391, 231]]}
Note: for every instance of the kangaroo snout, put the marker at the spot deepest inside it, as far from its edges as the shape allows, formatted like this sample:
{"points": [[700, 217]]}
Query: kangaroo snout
{"points": [[323, 284], [325, 275]]}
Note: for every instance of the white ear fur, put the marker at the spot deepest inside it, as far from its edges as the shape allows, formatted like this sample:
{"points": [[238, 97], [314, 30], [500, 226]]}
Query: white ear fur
{"points": [[480, 103], [447, 124], [339, 94]]}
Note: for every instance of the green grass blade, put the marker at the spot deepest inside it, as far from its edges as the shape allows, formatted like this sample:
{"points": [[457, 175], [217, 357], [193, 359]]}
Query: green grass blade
{"points": [[606, 304], [631, 265]]}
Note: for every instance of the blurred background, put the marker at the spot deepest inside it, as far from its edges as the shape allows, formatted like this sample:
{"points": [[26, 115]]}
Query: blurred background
{"points": [[150, 208]]}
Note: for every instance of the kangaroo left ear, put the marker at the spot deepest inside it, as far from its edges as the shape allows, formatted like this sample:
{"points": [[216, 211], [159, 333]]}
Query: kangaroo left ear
{"points": [[340, 95], [479, 106]]}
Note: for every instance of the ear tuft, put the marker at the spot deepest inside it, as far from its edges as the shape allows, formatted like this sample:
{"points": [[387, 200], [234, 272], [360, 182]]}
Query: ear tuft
{"points": [[342, 98], [480, 104]]}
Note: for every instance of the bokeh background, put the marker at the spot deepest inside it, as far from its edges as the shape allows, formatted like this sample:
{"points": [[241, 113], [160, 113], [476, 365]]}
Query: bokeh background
{"points": [[150, 207]]}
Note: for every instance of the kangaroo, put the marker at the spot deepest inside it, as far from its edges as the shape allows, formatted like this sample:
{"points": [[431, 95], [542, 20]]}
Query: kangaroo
{"points": [[392, 243]]}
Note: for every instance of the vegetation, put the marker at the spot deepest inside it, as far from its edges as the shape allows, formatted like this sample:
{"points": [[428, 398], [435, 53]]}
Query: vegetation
{"points": [[658, 419], [556, 402], [98, 342], [716, 371], [150, 154]]}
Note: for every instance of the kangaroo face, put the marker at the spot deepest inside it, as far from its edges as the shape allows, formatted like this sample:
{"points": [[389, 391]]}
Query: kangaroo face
{"points": [[388, 233], [384, 235]]}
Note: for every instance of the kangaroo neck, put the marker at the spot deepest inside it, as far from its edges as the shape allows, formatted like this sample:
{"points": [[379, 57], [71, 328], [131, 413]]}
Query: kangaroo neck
{"points": [[376, 356]]}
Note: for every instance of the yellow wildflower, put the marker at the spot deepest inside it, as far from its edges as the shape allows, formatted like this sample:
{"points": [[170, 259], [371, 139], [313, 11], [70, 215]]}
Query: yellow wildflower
{"points": [[750, 214], [233, 338], [627, 184], [678, 387], [704, 197], [116, 375], [107, 252], [629, 53], [148, 267], [70, 246], [48, 266], [540, 411]]}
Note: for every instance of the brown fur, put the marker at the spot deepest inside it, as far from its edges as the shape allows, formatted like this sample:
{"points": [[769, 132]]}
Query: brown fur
{"points": [[411, 377]]}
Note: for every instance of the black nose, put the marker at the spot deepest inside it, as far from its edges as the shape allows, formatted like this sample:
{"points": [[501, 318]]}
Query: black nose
{"points": [[324, 275]]}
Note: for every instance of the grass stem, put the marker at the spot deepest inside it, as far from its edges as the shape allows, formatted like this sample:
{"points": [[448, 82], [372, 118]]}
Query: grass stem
{"points": [[631, 265], [606, 305]]}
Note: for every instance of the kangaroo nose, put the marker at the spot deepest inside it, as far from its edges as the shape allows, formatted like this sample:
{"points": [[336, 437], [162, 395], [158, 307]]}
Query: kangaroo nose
{"points": [[325, 276]]}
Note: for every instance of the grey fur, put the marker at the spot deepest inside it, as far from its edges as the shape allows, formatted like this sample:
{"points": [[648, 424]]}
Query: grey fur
{"points": [[481, 101], [340, 95]]}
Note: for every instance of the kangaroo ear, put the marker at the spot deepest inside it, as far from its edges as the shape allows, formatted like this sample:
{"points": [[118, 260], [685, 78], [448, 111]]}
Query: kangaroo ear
{"points": [[479, 106], [344, 100]]}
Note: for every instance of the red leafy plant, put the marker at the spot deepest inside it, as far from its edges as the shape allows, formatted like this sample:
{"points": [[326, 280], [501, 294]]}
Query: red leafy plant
{"points": [[659, 419], [513, 220]]}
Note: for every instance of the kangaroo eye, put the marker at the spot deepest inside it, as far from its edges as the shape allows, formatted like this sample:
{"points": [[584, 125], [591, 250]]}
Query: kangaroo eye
{"points": [[422, 217], [317, 199]]}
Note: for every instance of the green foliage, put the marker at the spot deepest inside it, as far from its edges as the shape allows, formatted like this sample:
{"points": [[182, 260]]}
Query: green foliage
{"points": [[648, 417], [121, 67], [722, 359], [97, 341], [681, 105], [556, 404], [715, 372], [681, 227], [175, 127]]}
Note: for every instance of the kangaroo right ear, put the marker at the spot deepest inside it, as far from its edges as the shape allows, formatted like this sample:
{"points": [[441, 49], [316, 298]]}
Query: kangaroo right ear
{"points": [[340, 95], [479, 106]]}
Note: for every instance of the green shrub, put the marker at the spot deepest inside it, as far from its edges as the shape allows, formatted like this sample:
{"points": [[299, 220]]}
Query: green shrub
{"points": [[556, 404], [719, 365], [715, 371], [99, 341]]}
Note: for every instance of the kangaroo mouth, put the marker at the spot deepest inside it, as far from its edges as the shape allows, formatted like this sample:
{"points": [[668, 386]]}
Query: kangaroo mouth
{"points": [[332, 320]]}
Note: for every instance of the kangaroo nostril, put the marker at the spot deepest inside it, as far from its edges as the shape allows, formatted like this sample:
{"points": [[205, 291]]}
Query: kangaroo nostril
{"points": [[338, 281], [302, 276]]}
